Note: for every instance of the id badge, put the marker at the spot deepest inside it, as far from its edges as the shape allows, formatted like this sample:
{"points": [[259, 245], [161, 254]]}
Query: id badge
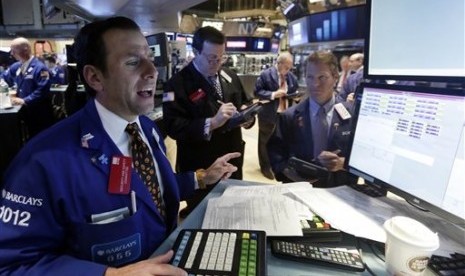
{"points": [[120, 175]]}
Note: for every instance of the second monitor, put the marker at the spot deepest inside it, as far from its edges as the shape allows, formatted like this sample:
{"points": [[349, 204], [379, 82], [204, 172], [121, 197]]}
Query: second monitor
{"points": [[411, 139]]}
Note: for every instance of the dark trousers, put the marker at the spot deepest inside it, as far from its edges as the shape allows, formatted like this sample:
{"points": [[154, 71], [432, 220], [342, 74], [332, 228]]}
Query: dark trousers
{"points": [[265, 130], [37, 117]]}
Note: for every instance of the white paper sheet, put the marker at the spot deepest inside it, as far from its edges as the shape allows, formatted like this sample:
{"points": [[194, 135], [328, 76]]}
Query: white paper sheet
{"points": [[348, 210], [257, 208], [364, 216]]}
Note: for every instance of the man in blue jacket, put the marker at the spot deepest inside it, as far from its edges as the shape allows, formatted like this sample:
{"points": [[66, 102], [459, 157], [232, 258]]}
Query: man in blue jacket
{"points": [[71, 202], [57, 73], [32, 81]]}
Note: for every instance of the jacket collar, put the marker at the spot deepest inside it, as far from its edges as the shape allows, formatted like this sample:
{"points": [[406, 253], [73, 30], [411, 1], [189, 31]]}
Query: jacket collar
{"points": [[101, 150], [201, 81]]}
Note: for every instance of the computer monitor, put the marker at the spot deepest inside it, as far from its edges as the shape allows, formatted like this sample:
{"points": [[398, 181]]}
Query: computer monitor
{"points": [[415, 40], [293, 9], [336, 25], [411, 140], [298, 32], [158, 43]]}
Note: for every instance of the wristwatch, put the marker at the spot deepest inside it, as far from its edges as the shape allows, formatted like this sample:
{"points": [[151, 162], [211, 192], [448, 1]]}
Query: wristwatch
{"points": [[200, 175]]}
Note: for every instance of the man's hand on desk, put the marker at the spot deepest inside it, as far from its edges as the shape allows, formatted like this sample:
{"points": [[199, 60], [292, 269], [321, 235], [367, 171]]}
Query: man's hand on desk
{"points": [[156, 266], [220, 169], [17, 101]]}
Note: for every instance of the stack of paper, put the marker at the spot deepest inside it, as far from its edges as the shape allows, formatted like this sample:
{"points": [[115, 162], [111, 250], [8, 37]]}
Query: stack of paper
{"points": [[271, 208]]}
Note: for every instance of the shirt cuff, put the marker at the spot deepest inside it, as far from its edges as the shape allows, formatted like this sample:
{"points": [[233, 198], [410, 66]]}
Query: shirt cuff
{"points": [[206, 129], [199, 182]]}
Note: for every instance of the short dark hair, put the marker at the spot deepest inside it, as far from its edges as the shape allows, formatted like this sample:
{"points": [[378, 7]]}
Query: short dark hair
{"points": [[208, 34], [89, 46]]}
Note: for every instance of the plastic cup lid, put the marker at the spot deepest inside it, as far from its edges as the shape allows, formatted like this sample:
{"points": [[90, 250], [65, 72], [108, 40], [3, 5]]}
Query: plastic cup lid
{"points": [[412, 232]]}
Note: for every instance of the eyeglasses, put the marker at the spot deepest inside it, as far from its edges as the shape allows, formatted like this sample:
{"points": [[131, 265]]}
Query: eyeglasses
{"points": [[214, 59]]}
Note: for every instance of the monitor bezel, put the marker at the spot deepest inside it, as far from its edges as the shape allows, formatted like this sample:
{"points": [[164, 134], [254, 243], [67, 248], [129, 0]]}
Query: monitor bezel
{"points": [[366, 63], [412, 199]]}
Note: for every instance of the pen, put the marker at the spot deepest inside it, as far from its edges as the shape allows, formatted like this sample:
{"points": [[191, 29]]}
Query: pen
{"points": [[220, 102], [133, 202]]}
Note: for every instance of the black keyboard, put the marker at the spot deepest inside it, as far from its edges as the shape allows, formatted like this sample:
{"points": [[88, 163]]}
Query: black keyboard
{"points": [[221, 252], [369, 190], [317, 254], [455, 265]]}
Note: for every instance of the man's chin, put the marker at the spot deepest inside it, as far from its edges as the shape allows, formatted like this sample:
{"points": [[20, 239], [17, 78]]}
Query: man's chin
{"points": [[146, 109]]}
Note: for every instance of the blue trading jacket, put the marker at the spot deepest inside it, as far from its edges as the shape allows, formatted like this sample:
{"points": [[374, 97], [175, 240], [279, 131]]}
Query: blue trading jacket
{"points": [[32, 86], [58, 181], [57, 75]]}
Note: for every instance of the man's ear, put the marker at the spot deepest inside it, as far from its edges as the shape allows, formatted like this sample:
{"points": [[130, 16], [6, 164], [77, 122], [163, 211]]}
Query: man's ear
{"points": [[93, 77]]}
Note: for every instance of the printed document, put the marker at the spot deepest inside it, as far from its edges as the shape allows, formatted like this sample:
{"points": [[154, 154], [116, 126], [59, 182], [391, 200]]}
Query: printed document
{"points": [[263, 207]]}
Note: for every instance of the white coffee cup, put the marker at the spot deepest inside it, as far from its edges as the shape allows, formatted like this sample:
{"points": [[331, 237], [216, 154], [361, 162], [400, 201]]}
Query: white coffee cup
{"points": [[409, 246]]}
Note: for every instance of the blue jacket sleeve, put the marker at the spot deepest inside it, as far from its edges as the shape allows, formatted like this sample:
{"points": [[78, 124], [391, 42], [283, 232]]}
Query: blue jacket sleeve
{"points": [[42, 85], [262, 88], [32, 235], [7, 75], [186, 184]]}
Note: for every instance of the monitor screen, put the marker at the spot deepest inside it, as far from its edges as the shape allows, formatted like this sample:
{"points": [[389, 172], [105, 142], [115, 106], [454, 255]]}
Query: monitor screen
{"points": [[341, 24], [416, 40], [158, 43], [293, 9], [274, 46], [237, 44], [298, 32], [260, 44], [411, 139]]}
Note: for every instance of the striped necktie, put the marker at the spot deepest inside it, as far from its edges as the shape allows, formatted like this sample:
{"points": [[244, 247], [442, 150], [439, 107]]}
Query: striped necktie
{"points": [[214, 82]]}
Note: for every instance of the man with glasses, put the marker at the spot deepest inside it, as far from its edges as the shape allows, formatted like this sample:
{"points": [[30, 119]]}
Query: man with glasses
{"points": [[197, 103], [275, 84], [317, 129]]}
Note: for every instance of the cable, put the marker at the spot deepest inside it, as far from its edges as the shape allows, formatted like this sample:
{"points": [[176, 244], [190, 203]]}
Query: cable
{"points": [[360, 250], [369, 269], [372, 248], [417, 206]]}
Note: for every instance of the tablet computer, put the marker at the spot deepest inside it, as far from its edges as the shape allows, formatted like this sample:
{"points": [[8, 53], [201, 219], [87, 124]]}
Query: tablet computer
{"points": [[307, 169], [243, 116]]}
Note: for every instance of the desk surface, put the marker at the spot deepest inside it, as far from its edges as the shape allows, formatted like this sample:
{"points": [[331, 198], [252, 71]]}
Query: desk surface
{"points": [[11, 110], [275, 266]]}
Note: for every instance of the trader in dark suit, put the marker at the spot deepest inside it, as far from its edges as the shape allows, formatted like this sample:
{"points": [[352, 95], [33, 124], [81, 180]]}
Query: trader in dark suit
{"points": [[318, 128], [274, 84], [197, 104]]}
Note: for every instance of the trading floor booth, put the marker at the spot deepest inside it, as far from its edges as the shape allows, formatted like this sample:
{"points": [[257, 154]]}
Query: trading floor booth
{"points": [[409, 140]]}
